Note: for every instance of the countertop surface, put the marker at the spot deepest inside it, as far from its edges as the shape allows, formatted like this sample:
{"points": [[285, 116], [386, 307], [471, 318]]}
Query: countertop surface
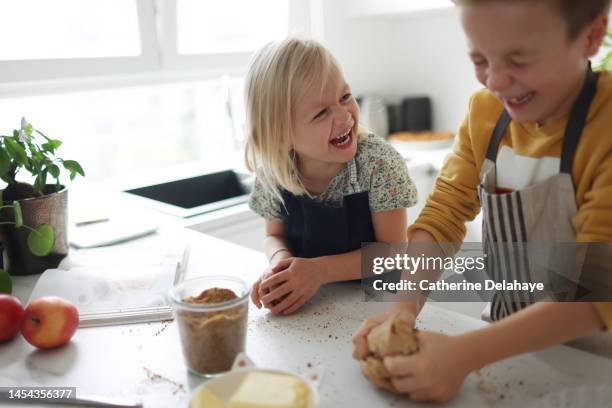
{"points": [[144, 361]]}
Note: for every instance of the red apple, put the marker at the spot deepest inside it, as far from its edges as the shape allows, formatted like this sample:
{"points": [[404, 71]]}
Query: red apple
{"points": [[49, 321], [11, 313]]}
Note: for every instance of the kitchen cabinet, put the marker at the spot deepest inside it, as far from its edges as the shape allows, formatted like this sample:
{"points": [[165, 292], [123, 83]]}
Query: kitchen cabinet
{"points": [[238, 225]]}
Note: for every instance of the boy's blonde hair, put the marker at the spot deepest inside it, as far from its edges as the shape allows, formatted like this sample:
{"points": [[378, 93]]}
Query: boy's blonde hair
{"points": [[278, 76], [577, 13]]}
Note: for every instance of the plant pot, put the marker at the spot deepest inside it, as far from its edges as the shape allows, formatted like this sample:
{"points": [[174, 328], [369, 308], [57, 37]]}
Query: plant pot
{"points": [[49, 209]]}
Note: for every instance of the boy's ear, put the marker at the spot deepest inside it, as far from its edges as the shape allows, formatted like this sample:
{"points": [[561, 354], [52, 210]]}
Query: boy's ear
{"points": [[595, 35]]}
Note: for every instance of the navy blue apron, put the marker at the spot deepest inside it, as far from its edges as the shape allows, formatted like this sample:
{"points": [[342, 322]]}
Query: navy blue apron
{"points": [[315, 229]]}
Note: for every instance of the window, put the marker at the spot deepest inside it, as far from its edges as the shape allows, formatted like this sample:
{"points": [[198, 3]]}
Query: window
{"points": [[75, 38], [135, 131], [40, 29], [230, 26], [159, 87]]}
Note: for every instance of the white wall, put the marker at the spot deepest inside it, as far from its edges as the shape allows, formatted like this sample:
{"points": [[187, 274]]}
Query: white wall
{"points": [[361, 45], [430, 58], [406, 55]]}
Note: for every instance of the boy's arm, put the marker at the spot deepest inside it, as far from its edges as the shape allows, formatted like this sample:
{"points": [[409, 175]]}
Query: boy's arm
{"points": [[539, 326], [439, 369], [454, 199], [594, 219]]}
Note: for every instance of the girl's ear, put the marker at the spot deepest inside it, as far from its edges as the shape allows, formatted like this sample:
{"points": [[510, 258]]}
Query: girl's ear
{"points": [[596, 33]]}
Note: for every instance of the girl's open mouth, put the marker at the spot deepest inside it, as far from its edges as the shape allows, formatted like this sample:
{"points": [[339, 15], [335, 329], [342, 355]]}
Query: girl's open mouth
{"points": [[343, 140]]}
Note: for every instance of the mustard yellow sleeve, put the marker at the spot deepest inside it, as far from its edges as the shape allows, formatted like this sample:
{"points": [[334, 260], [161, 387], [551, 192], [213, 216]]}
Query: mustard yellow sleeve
{"points": [[605, 312], [454, 199], [594, 218]]}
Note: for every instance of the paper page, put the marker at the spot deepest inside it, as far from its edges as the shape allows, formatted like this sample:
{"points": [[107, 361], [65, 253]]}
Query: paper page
{"points": [[120, 284], [96, 290]]}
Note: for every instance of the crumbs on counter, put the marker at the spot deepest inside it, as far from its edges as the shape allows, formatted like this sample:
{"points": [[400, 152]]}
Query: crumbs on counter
{"points": [[154, 377], [165, 324]]}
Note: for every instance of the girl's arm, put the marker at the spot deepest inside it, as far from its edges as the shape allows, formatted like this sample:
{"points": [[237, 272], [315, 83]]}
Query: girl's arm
{"points": [[295, 280], [389, 226], [277, 249], [275, 243]]}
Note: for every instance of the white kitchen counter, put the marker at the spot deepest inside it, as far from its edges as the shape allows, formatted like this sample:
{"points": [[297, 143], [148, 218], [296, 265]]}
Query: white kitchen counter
{"points": [[144, 361]]}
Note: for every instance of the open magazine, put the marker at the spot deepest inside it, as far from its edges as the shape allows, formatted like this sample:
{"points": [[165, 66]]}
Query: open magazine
{"points": [[117, 285]]}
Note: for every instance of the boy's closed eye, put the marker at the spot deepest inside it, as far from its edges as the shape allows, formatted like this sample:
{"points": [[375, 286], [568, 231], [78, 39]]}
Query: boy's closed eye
{"points": [[517, 64]]}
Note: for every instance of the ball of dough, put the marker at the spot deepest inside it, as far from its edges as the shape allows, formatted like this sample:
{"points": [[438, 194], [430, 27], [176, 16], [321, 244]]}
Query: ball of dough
{"points": [[395, 336]]}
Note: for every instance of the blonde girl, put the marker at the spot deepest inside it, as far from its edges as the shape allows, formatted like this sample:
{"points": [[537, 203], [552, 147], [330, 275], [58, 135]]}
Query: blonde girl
{"points": [[323, 185]]}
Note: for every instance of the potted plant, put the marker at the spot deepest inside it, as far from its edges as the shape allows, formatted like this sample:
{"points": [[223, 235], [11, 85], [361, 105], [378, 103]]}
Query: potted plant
{"points": [[33, 219]]}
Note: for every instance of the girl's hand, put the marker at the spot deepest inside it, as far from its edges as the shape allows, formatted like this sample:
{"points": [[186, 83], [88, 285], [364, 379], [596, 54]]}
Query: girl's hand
{"points": [[436, 372], [360, 338], [293, 282], [256, 292]]}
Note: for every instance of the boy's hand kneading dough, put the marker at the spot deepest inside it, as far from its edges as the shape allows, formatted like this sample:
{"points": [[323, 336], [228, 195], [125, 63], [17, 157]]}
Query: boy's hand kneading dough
{"points": [[395, 336]]}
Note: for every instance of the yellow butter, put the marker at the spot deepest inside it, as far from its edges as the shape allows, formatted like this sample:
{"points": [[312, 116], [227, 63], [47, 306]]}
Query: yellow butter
{"points": [[268, 390], [206, 399]]}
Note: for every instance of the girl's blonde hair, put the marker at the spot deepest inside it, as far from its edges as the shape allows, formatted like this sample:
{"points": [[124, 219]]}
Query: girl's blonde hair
{"points": [[278, 76]]}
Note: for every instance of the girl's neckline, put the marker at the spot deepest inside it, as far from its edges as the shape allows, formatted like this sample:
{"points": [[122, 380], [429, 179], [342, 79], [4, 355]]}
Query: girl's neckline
{"points": [[332, 182]]}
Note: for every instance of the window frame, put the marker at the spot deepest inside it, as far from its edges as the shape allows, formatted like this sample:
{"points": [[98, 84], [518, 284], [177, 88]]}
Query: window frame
{"points": [[159, 61], [53, 69]]}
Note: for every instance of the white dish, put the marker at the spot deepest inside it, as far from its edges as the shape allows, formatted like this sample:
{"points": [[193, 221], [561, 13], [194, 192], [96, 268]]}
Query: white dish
{"points": [[224, 386]]}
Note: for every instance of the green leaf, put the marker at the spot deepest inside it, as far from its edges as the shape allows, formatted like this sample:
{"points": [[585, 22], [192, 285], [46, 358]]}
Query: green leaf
{"points": [[51, 145], [54, 170], [73, 167], [18, 214], [5, 161], [6, 284], [41, 240], [16, 151], [36, 156], [28, 129], [15, 134]]}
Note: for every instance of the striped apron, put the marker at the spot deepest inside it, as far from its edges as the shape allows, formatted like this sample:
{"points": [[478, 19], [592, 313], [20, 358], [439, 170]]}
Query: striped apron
{"points": [[539, 213]]}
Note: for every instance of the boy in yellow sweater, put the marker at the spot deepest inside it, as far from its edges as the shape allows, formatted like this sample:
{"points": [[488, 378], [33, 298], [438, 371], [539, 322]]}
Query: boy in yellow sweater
{"points": [[535, 155]]}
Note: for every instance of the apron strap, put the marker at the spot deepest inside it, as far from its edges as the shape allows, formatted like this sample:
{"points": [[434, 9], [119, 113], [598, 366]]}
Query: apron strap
{"points": [[576, 121], [354, 186], [498, 133]]}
